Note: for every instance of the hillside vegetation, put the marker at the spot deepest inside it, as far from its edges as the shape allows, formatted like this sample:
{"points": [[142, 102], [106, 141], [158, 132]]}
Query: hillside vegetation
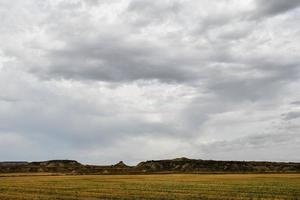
{"points": [[179, 165]]}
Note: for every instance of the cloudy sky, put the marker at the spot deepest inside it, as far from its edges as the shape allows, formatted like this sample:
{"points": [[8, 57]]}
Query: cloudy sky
{"points": [[106, 80]]}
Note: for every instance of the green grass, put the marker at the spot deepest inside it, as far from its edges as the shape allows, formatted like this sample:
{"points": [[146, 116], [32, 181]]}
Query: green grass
{"points": [[248, 186]]}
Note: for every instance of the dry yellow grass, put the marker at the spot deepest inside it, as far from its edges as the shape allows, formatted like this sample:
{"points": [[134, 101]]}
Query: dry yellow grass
{"points": [[251, 186]]}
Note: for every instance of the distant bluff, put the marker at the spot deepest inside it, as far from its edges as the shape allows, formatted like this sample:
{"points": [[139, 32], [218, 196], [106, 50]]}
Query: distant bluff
{"points": [[178, 165]]}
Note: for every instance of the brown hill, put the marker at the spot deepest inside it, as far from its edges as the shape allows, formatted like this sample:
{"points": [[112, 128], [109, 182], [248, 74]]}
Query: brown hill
{"points": [[191, 165], [178, 165], [120, 164]]}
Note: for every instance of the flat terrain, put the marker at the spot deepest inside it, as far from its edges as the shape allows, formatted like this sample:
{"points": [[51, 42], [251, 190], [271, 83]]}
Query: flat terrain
{"points": [[237, 186]]}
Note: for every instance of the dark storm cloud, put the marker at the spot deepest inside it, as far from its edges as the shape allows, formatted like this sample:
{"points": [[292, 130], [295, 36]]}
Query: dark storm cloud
{"points": [[275, 7], [113, 52], [118, 53], [113, 59]]}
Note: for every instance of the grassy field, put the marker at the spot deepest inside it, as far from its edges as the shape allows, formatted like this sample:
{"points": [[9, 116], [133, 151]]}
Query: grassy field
{"points": [[252, 186]]}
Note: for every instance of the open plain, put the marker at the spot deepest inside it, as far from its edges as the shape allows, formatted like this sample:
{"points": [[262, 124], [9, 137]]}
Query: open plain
{"points": [[172, 186]]}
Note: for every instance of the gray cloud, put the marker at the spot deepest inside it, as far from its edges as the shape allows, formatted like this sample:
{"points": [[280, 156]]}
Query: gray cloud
{"points": [[254, 141], [275, 7], [250, 145], [96, 78], [112, 59], [149, 12], [8, 99], [292, 115], [296, 102]]}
